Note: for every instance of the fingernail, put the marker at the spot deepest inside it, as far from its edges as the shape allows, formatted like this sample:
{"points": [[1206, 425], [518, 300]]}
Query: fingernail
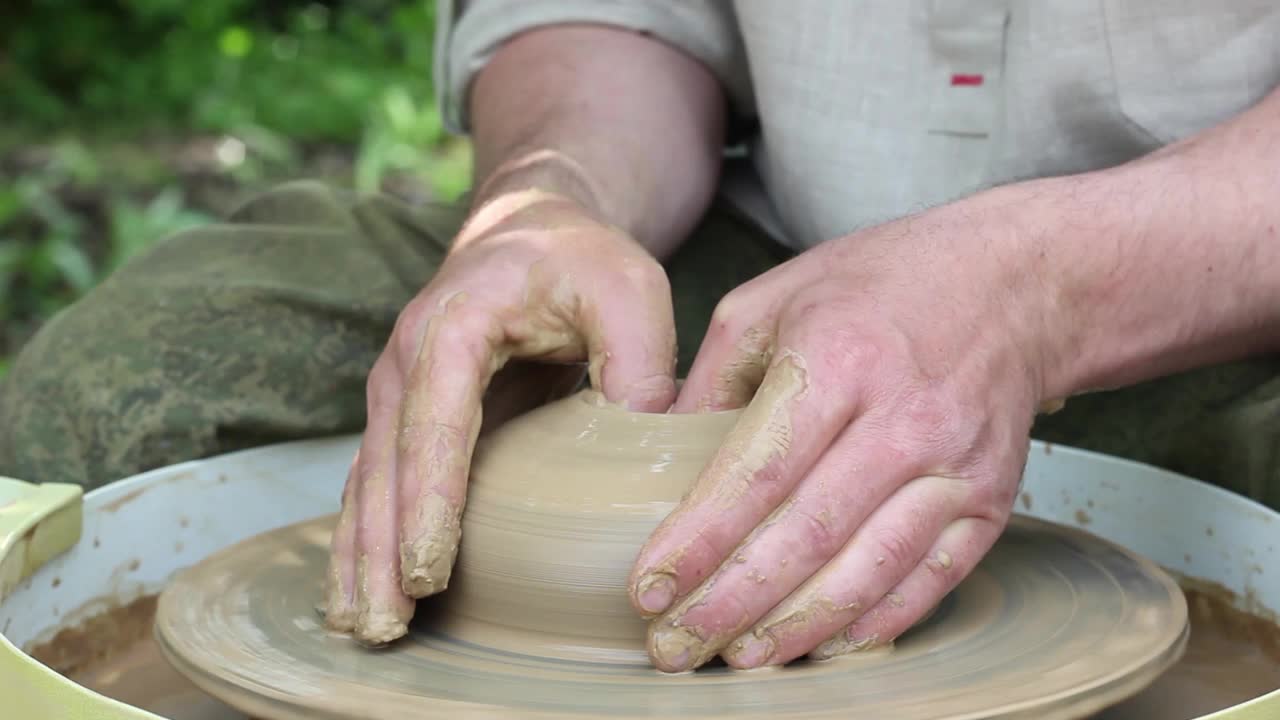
{"points": [[673, 648], [656, 593], [752, 651]]}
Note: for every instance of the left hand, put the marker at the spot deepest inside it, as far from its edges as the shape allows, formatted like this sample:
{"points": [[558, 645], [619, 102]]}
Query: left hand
{"points": [[890, 380]]}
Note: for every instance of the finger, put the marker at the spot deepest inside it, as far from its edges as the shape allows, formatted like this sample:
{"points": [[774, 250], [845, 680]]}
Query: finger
{"points": [[730, 365], [738, 346], [439, 421], [382, 609], [954, 555], [339, 608], [629, 326], [851, 479], [775, 441], [880, 554]]}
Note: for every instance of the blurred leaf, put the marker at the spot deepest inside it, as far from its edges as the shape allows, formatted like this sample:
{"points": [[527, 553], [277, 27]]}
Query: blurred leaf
{"points": [[72, 264], [37, 198], [315, 17], [12, 254], [10, 205], [400, 110], [235, 42], [74, 159], [372, 160], [267, 143], [39, 267], [450, 173], [134, 228]]}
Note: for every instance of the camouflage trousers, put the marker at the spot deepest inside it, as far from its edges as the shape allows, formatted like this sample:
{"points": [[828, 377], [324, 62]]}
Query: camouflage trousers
{"points": [[262, 328]]}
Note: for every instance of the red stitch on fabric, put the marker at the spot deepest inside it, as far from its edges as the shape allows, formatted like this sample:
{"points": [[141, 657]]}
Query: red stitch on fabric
{"points": [[961, 79]]}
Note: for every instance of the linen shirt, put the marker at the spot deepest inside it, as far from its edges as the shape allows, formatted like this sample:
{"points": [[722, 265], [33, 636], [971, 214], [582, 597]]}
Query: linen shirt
{"points": [[860, 111]]}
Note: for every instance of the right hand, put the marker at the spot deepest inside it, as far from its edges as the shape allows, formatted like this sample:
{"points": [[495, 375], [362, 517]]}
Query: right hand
{"points": [[532, 276]]}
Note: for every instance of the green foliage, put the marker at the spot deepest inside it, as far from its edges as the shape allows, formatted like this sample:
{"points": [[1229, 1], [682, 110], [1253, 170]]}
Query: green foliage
{"points": [[56, 242], [102, 101], [399, 125], [308, 70]]}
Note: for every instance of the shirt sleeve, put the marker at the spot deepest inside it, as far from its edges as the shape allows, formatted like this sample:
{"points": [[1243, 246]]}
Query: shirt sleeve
{"points": [[468, 32]]}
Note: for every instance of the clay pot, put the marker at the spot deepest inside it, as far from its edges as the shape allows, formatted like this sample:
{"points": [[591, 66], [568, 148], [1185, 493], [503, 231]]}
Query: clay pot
{"points": [[559, 503]]}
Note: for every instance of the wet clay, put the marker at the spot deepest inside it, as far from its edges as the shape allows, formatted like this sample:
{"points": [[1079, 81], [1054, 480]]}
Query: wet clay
{"points": [[1051, 620], [536, 621], [1232, 657], [559, 502]]}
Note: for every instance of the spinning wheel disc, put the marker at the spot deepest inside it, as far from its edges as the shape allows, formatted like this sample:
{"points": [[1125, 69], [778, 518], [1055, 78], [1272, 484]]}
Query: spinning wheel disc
{"points": [[1053, 624]]}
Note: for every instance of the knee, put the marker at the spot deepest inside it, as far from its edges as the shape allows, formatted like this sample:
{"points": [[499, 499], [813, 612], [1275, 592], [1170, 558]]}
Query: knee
{"points": [[88, 401], [298, 203]]}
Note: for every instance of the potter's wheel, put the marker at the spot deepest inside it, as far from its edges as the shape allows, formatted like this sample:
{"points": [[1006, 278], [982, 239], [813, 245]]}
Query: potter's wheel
{"points": [[1053, 624]]}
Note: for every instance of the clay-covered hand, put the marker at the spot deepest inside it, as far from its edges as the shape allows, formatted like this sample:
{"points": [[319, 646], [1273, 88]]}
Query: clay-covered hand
{"points": [[890, 379], [532, 276]]}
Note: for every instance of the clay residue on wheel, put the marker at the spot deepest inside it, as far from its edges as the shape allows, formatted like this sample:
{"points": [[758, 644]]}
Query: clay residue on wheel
{"points": [[110, 650], [1234, 617], [1233, 656], [106, 631]]}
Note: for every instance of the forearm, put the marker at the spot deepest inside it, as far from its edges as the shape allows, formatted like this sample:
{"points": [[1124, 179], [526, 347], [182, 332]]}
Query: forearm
{"points": [[625, 125], [1161, 265]]}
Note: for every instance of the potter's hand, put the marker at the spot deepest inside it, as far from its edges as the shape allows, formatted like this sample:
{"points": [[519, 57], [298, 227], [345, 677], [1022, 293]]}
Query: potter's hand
{"points": [[531, 276], [890, 380]]}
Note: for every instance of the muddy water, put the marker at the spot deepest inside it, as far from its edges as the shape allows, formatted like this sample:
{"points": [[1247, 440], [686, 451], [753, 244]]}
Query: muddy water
{"points": [[140, 677], [113, 654], [1232, 657]]}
